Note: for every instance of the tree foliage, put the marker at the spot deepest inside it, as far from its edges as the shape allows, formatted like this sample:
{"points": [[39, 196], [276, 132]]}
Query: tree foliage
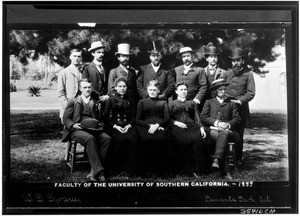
{"points": [[258, 43]]}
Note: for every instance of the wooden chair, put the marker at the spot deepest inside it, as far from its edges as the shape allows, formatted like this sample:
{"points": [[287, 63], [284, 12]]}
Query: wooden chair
{"points": [[74, 156], [231, 155]]}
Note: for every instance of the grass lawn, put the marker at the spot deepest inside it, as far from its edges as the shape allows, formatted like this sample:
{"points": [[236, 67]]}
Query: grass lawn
{"points": [[37, 153]]}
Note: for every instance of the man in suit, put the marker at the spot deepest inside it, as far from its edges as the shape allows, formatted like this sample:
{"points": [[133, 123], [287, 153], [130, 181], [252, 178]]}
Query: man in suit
{"points": [[124, 70], [81, 112], [212, 71], [241, 90], [67, 81], [221, 119], [193, 76], [96, 72], [155, 71]]}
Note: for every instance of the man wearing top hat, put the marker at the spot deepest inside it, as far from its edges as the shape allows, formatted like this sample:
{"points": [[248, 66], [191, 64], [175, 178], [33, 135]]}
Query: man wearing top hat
{"points": [[212, 71], [221, 118], [241, 90], [155, 71], [68, 80], [83, 123], [124, 70], [96, 72], [193, 76]]}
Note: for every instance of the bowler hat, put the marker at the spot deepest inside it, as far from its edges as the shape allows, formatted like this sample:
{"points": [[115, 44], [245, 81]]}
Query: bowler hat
{"points": [[211, 50], [91, 124], [123, 49], [217, 83], [186, 49], [96, 45], [154, 49], [237, 53]]}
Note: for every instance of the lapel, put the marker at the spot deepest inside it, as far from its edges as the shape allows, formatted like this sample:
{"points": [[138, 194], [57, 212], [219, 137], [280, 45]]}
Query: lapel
{"points": [[181, 69], [151, 71], [73, 70], [121, 72], [94, 67]]}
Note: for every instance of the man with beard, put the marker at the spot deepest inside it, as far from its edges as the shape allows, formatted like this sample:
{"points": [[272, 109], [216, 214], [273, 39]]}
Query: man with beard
{"points": [[154, 71], [241, 90], [221, 118], [96, 72], [212, 71], [82, 120], [193, 76], [124, 70]]}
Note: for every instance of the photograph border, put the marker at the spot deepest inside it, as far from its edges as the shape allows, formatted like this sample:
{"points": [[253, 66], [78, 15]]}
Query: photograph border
{"points": [[158, 200]]}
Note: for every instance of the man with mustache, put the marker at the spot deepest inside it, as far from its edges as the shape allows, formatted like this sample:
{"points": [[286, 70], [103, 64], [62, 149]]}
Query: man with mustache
{"points": [[96, 72], [212, 71], [193, 76], [124, 70], [155, 71], [241, 90]]}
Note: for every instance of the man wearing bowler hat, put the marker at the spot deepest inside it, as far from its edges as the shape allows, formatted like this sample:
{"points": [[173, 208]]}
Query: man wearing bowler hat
{"points": [[221, 118], [212, 71], [124, 70], [193, 76], [241, 90], [155, 71], [96, 72], [83, 124]]}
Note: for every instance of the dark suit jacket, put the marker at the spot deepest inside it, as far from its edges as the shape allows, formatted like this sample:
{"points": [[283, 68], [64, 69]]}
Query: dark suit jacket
{"points": [[196, 82], [99, 87], [73, 112], [164, 77], [219, 73], [213, 110]]}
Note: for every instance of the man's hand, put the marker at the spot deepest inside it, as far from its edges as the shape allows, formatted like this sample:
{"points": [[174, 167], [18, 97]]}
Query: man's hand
{"points": [[77, 126], [103, 98], [180, 124], [161, 97], [153, 128], [236, 101], [196, 101], [202, 131], [223, 125]]}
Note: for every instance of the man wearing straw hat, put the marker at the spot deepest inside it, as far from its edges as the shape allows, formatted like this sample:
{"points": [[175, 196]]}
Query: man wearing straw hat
{"points": [[212, 71], [193, 76], [124, 70], [221, 118], [241, 90], [96, 72], [155, 71]]}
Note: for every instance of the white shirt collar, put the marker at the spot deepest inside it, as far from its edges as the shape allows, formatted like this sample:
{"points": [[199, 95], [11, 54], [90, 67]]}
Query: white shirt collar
{"points": [[155, 68], [85, 100], [97, 62], [220, 100], [124, 68]]}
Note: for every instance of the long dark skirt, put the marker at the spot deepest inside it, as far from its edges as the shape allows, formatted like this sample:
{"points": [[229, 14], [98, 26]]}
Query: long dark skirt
{"points": [[123, 152], [154, 152], [189, 149]]}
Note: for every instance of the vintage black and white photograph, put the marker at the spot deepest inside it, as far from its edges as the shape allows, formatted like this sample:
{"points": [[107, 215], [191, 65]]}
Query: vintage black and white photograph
{"points": [[182, 108]]}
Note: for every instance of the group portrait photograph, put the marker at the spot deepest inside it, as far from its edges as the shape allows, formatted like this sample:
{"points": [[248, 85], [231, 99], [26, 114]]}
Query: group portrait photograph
{"points": [[116, 108]]}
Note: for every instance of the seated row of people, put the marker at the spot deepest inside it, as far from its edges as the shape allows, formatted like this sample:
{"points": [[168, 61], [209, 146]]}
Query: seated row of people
{"points": [[156, 138]]}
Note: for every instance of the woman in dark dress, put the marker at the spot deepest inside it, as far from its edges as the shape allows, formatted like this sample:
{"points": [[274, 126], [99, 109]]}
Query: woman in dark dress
{"points": [[187, 130], [152, 121], [119, 115]]}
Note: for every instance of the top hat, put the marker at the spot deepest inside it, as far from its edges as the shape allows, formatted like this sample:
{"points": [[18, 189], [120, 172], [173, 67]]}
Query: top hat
{"points": [[154, 50], [237, 53], [217, 83], [185, 49], [210, 49], [123, 49], [96, 45], [91, 124]]}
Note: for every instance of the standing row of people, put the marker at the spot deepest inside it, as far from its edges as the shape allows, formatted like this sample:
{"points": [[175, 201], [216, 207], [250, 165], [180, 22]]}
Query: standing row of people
{"points": [[161, 102]]}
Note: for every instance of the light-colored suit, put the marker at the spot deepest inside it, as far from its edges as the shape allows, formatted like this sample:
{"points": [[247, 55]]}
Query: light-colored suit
{"points": [[67, 85]]}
